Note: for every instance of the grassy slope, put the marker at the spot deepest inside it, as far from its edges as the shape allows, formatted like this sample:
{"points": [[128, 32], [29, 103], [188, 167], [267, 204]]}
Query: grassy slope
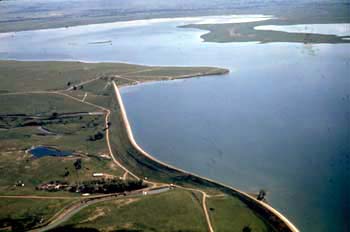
{"points": [[176, 210], [29, 76], [229, 214], [18, 76], [71, 133], [17, 165], [44, 104], [21, 214]]}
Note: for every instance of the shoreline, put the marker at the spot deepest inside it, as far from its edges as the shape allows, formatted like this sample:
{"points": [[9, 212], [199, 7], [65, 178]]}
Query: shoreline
{"points": [[283, 221], [183, 20]]}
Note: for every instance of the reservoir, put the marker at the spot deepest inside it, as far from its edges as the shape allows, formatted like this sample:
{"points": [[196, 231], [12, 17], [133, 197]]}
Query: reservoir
{"points": [[279, 121]]}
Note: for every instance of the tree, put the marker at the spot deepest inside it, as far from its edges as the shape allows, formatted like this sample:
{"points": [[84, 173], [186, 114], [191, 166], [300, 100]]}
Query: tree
{"points": [[261, 195], [98, 136], [66, 173], [77, 164]]}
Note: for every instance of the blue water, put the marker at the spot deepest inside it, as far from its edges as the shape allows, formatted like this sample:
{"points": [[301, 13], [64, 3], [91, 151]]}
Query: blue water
{"points": [[40, 151], [279, 121]]}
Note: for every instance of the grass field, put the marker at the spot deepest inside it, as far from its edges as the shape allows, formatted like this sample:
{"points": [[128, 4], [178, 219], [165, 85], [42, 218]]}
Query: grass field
{"points": [[230, 214], [175, 210]]}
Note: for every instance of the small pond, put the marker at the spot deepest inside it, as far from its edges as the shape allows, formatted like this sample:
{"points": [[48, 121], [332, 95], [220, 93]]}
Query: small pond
{"points": [[42, 151]]}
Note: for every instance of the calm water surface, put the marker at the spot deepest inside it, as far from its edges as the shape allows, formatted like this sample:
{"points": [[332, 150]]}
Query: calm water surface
{"points": [[279, 121], [47, 151]]}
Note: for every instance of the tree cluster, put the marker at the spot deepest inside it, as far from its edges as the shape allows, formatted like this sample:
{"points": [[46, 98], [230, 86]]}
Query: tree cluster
{"points": [[107, 186], [99, 135]]}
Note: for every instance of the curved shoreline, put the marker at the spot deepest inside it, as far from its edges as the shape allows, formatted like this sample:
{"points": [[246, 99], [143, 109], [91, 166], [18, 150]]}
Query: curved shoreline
{"points": [[270, 210]]}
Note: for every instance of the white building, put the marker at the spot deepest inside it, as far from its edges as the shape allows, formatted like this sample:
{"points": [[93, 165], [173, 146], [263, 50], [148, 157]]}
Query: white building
{"points": [[97, 174]]}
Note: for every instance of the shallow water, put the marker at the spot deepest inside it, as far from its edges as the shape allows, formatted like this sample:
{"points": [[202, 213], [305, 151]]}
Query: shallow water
{"points": [[41, 151], [279, 121]]}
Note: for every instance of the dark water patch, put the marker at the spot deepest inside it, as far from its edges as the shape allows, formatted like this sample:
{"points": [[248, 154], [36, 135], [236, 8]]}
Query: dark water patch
{"points": [[42, 151]]}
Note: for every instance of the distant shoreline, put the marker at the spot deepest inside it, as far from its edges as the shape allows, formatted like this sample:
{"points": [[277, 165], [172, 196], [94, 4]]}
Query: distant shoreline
{"points": [[66, 15]]}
